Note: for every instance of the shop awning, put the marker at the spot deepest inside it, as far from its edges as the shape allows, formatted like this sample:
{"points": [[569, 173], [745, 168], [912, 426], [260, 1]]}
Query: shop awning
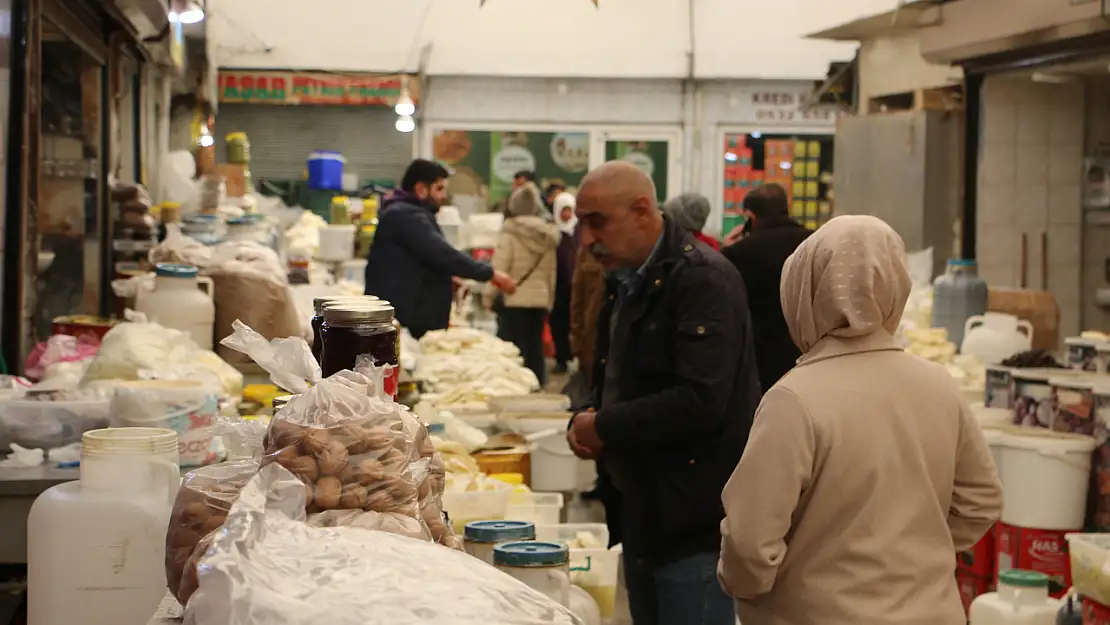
{"points": [[972, 29], [908, 17]]}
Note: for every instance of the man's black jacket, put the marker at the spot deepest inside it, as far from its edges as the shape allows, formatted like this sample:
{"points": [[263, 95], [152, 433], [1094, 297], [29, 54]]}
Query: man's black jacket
{"points": [[411, 265], [688, 392], [759, 257]]}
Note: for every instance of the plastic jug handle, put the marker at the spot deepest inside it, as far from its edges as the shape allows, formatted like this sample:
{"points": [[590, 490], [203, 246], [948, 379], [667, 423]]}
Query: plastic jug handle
{"points": [[207, 285], [167, 475], [1028, 327], [973, 321]]}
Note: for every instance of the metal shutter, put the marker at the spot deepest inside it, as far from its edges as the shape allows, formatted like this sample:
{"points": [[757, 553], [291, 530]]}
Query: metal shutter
{"points": [[282, 137]]}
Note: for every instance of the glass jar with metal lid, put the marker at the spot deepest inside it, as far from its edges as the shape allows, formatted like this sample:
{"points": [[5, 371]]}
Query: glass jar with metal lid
{"points": [[353, 330], [544, 567], [480, 537], [238, 148], [318, 306]]}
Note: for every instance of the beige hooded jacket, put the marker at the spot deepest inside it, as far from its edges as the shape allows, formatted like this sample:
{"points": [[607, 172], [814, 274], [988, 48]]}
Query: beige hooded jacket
{"points": [[865, 472], [528, 240]]}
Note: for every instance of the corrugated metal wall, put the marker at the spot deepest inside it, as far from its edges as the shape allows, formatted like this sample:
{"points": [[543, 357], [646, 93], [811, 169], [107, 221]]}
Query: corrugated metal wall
{"points": [[283, 136]]}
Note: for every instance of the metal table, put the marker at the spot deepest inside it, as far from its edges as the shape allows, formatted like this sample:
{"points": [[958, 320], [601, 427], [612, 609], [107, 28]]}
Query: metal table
{"points": [[18, 489]]}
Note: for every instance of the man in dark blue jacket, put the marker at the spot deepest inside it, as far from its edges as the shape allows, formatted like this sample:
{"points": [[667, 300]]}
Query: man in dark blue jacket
{"points": [[411, 264], [676, 391]]}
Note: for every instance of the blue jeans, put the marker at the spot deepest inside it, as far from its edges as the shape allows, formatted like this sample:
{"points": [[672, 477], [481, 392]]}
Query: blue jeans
{"points": [[685, 592]]}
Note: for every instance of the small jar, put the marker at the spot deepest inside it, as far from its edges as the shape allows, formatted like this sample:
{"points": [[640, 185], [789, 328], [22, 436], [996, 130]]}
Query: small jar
{"points": [[1033, 396], [318, 306], [1072, 404], [544, 567], [1082, 353], [238, 148], [999, 387], [480, 537], [353, 330]]}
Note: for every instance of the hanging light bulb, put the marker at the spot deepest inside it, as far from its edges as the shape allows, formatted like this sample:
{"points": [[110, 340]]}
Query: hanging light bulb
{"points": [[405, 123], [192, 13], [405, 107]]}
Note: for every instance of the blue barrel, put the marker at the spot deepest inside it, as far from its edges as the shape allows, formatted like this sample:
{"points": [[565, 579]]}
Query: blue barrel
{"points": [[325, 170], [959, 293]]}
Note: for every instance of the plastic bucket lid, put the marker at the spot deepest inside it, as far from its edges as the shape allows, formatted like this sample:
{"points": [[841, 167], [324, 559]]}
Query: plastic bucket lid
{"points": [[1047, 441], [531, 554], [326, 155], [1082, 342], [1074, 382], [1038, 375], [499, 531]]}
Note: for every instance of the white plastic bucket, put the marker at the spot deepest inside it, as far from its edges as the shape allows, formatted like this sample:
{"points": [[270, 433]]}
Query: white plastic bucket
{"points": [[554, 465], [337, 243], [186, 407], [1046, 476]]}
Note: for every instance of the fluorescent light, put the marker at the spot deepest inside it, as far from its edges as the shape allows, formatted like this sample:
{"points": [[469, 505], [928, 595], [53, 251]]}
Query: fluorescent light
{"points": [[405, 123], [192, 14]]}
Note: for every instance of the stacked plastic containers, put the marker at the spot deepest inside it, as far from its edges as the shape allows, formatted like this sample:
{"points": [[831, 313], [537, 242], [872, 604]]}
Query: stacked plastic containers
{"points": [[1022, 599], [958, 294], [545, 567]]}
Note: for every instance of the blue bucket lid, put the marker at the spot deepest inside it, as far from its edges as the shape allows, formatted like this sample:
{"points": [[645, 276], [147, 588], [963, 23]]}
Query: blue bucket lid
{"points": [[326, 155], [200, 218], [961, 262], [530, 554], [499, 531], [437, 428], [240, 221], [174, 270]]}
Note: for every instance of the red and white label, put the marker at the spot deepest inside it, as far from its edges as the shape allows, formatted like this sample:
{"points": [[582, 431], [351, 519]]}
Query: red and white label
{"points": [[1044, 551], [1095, 613], [979, 561]]}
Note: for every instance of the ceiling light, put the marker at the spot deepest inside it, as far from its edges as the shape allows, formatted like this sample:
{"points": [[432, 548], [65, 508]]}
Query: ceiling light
{"points": [[405, 123], [192, 13], [405, 107]]}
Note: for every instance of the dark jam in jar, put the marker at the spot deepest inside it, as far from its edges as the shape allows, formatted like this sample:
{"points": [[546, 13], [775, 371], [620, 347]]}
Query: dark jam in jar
{"points": [[318, 306], [351, 330]]}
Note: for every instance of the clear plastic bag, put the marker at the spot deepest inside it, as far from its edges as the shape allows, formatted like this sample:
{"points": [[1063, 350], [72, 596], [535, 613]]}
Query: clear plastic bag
{"points": [[269, 567], [201, 507], [352, 447]]}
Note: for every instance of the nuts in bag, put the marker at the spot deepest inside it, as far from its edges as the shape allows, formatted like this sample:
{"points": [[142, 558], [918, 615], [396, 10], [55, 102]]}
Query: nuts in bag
{"points": [[201, 508]]}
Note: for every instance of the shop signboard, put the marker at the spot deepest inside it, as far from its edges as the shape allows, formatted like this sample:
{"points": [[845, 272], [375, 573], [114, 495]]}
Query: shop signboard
{"points": [[773, 104], [485, 161], [290, 88]]}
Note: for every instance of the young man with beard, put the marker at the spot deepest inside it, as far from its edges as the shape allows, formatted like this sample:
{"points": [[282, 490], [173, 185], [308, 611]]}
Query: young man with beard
{"points": [[411, 264]]}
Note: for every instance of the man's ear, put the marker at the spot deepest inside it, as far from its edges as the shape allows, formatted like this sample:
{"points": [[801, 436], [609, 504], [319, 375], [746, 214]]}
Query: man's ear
{"points": [[642, 206]]}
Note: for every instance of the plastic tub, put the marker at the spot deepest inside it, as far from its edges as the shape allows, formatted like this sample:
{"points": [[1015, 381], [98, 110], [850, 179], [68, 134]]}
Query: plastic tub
{"points": [[592, 535], [1032, 396], [186, 407], [594, 568], [337, 243], [485, 505], [1082, 353], [48, 424], [480, 537], [555, 468], [1072, 403], [1046, 475], [998, 391], [539, 508], [325, 170], [1090, 565], [544, 567], [535, 402]]}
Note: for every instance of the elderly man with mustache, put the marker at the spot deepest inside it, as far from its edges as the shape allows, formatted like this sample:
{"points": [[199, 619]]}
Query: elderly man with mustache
{"points": [[676, 388]]}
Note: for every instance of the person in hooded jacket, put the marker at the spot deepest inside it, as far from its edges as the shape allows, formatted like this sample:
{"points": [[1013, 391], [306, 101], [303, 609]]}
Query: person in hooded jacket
{"points": [[865, 472], [563, 207], [691, 211], [411, 264], [526, 251]]}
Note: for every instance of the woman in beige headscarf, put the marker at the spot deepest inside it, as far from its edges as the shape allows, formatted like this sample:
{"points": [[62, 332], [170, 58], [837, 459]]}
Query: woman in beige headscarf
{"points": [[865, 472]]}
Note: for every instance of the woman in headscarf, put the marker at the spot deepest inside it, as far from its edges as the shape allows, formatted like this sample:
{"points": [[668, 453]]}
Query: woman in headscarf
{"points": [[691, 211], [526, 252], [865, 472], [563, 208]]}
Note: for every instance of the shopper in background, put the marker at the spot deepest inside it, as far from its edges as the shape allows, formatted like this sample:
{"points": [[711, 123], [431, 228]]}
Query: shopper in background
{"points": [[526, 251], [550, 193], [853, 497], [759, 256], [523, 177], [676, 392], [411, 264], [691, 210], [563, 207]]}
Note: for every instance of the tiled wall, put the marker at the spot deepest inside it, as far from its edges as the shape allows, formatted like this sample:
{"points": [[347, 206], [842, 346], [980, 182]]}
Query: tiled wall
{"points": [[1030, 168], [1096, 238]]}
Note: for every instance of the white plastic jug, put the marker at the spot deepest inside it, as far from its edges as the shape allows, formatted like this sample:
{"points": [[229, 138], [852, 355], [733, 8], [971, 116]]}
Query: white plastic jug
{"points": [[177, 302], [1021, 599], [96, 546], [994, 337]]}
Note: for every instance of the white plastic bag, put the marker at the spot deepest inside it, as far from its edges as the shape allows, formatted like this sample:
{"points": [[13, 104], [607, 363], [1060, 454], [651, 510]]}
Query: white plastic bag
{"points": [[268, 567]]}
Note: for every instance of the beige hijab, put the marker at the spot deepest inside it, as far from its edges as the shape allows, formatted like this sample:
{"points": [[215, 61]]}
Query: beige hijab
{"points": [[849, 279]]}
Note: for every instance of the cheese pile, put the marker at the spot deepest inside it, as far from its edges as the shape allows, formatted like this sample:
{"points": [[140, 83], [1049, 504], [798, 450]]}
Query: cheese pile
{"points": [[465, 367], [933, 344]]}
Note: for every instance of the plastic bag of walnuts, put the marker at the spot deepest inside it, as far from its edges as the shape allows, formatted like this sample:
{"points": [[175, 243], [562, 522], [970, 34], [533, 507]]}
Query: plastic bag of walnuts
{"points": [[202, 505]]}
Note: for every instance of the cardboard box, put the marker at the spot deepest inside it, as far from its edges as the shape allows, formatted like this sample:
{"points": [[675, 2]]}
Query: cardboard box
{"points": [[1037, 307], [235, 176]]}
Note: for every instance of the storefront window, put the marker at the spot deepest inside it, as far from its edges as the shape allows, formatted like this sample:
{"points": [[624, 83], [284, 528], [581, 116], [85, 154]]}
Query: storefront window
{"points": [[650, 156], [68, 213], [802, 164], [484, 163]]}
